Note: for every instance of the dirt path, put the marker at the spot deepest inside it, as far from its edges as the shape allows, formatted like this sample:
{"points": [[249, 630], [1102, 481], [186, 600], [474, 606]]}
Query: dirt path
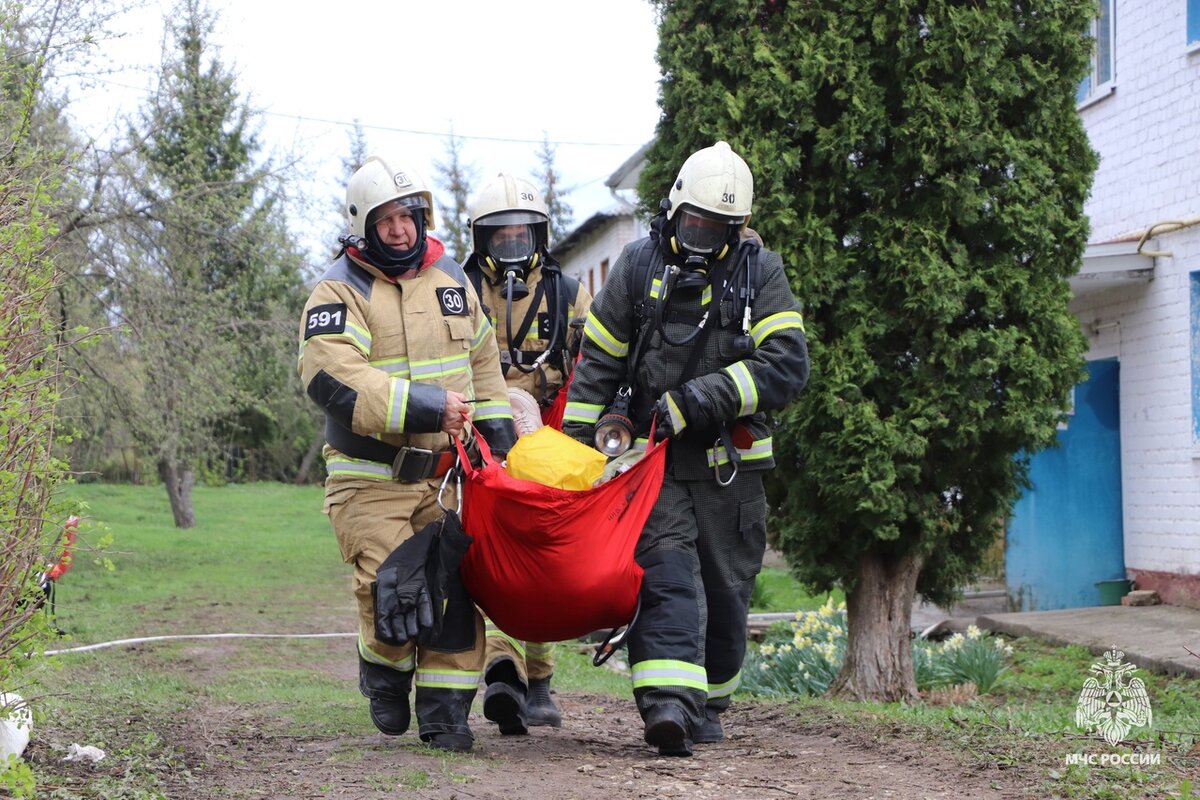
{"points": [[598, 754]]}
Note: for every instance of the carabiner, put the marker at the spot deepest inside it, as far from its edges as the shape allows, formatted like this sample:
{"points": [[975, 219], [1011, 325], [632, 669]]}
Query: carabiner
{"points": [[733, 459], [457, 473], [614, 642]]}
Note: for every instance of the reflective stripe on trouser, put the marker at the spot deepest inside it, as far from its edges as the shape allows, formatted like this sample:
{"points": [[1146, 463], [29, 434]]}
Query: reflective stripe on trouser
{"points": [[539, 660], [665, 645], [371, 519], [691, 528], [731, 554], [444, 695], [534, 660]]}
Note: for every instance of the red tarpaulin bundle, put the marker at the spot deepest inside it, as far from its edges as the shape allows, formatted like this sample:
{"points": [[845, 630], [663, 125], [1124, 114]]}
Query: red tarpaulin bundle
{"points": [[552, 415], [549, 564]]}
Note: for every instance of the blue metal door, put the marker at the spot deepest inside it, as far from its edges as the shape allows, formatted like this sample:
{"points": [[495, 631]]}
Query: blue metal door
{"points": [[1066, 533]]}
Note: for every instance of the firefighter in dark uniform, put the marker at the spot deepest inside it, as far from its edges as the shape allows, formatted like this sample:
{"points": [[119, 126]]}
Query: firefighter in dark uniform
{"points": [[532, 305], [698, 329], [396, 349]]}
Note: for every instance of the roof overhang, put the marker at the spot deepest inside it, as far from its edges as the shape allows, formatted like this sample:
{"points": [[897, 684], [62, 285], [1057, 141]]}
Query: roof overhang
{"points": [[587, 228], [1112, 265], [626, 176]]}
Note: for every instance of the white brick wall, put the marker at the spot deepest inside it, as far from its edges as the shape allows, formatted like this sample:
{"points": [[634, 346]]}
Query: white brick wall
{"points": [[606, 243], [1147, 133]]}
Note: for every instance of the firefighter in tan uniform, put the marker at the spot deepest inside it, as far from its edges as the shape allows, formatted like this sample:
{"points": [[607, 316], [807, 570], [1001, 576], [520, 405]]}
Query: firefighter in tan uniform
{"points": [[398, 352], [532, 305]]}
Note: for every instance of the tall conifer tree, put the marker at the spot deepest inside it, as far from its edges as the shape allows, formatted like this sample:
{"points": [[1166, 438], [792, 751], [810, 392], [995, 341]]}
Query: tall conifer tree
{"points": [[209, 283], [921, 167]]}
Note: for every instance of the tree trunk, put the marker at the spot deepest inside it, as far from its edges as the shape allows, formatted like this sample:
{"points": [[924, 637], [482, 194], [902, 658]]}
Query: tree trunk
{"points": [[878, 663], [306, 463], [179, 481]]}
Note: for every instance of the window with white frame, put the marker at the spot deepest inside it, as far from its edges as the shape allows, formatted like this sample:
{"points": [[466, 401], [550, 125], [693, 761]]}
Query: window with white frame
{"points": [[1193, 23], [1100, 77]]}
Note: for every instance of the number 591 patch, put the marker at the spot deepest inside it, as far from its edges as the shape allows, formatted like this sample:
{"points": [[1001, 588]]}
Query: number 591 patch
{"points": [[329, 318]]}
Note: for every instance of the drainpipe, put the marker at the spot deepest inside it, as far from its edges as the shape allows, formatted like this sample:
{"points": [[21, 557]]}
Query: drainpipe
{"points": [[1167, 226]]}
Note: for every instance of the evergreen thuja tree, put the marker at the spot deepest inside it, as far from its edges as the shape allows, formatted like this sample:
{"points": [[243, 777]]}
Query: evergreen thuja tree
{"points": [[921, 167]]}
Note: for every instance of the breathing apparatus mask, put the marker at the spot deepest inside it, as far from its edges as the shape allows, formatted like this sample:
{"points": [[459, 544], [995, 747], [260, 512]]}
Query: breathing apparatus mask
{"points": [[511, 250], [699, 240]]}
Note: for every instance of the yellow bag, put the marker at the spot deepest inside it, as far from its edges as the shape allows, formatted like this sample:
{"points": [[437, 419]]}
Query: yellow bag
{"points": [[550, 457]]}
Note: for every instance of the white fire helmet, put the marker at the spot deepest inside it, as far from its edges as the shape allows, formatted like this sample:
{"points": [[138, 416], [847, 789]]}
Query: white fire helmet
{"points": [[713, 191], [379, 181], [496, 211]]}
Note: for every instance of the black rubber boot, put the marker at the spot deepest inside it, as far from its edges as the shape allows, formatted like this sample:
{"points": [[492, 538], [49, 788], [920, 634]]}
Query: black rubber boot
{"points": [[387, 689], [709, 731], [504, 700], [457, 742], [539, 705], [667, 729]]}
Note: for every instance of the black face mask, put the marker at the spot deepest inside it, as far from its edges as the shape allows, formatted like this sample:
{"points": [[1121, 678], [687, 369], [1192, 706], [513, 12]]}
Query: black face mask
{"points": [[393, 262]]}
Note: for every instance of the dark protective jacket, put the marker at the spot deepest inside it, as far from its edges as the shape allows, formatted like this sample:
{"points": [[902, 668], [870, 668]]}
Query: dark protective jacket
{"points": [[742, 372], [379, 355]]}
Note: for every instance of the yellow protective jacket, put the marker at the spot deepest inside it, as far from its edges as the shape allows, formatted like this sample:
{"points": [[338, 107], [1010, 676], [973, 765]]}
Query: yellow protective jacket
{"points": [[378, 357], [544, 381]]}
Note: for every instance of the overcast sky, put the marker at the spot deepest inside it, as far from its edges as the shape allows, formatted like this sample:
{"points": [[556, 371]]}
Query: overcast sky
{"points": [[499, 75]]}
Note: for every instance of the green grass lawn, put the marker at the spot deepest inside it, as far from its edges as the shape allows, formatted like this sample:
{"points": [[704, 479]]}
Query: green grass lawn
{"points": [[262, 558]]}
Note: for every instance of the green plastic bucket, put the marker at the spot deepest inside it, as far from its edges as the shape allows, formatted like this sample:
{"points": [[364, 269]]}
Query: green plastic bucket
{"points": [[1111, 592]]}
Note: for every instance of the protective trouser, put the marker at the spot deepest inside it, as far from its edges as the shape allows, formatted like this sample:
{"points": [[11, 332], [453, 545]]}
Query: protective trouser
{"points": [[370, 519], [729, 563], [534, 660], [700, 562]]}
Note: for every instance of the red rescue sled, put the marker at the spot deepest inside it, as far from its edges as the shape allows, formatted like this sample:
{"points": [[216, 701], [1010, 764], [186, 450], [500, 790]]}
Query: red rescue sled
{"points": [[549, 564]]}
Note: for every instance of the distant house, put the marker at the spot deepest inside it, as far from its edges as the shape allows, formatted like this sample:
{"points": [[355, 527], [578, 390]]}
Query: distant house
{"points": [[1121, 498], [589, 251]]}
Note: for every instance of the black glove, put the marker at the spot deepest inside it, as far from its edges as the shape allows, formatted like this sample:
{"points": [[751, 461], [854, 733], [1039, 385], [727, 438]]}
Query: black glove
{"points": [[403, 608], [680, 408], [453, 608], [669, 415]]}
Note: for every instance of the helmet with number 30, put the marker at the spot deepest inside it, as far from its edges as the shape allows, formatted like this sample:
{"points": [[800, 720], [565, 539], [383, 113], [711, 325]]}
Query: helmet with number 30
{"points": [[510, 227], [710, 199]]}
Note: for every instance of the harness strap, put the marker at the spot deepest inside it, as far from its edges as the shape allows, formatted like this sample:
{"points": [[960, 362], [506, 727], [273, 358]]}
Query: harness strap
{"points": [[408, 464]]}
